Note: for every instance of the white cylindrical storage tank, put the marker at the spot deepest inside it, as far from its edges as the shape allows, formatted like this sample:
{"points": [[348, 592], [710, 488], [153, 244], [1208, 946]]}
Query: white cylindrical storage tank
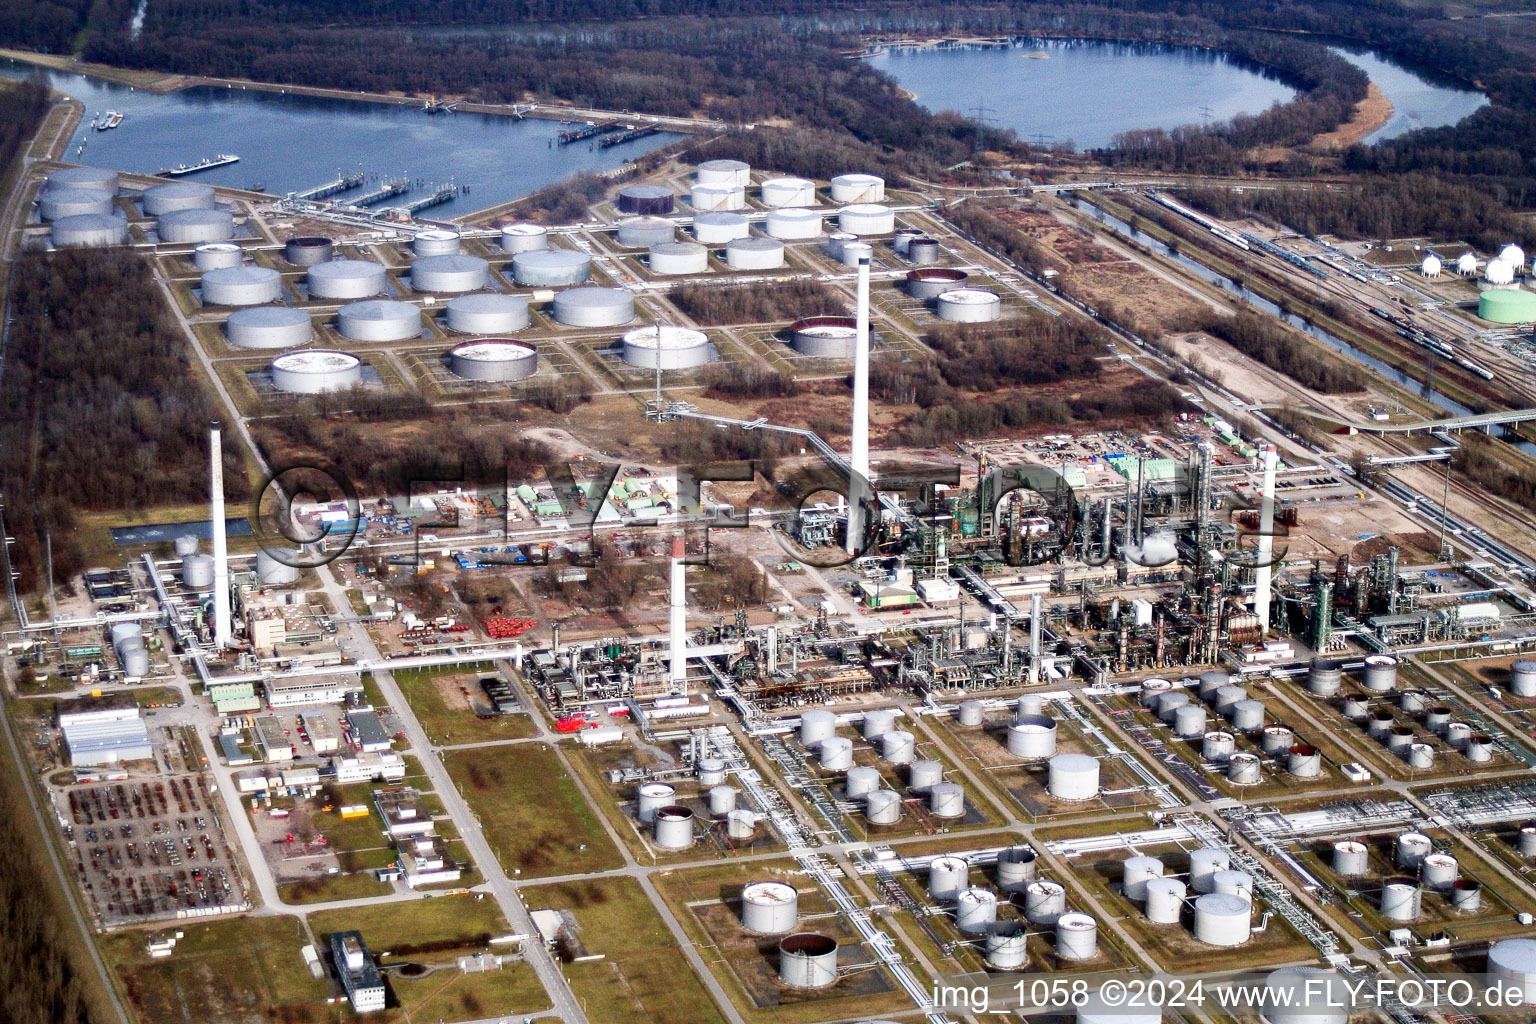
{"points": [[1401, 901], [946, 800], [436, 242], [1466, 896], [1421, 756], [898, 746], [307, 250], [711, 771], [808, 960], [1380, 724], [1210, 682], [273, 571], [1218, 746], [970, 714], [1247, 716], [1431, 266], [866, 219], [516, 238], [1399, 739], [643, 232], [73, 202], [1522, 678], [379, 320], [741, 824], [1222, 919], [268, 327], [215, 255], [1096, 1009], [123, 631], [1165, 900], [449, 274], [592, 306], [1044, 901], [186, 544], [722, 801], [901, 241], [1439, 870], [1304, 995], [1458, 734], [549, 268], [719, 228], [487, 313], [793, 223], [922, 251], [1277, 740], [136, 663], [1233, 883], [678, 258], [1437, 718], [1015, 868], [1007, 948], [68, 178], [197, 571], [1525, 841], [177, 195], [91, 229], [1304, 761], [1350, 858], [882, 807], [857, 188], [1513, 962], [1324, 677], [1243, 769], [710, 196], [1412, 848], [878, 722], [494, 359], [128, 647], [674, 828], [1380, 673], [730, 172], [854, 252], [241, 286], [835, 242], [1168, 704], [754, 254], [816, 725], [777, 192], [1138, 871], [1227, 697], [1189, 722], [1073, 777], [924, 775], [1152, 691], [836, 753], [1203, 865], [861, 780], [195, 225], [1032, 736], [975, 911], [1077, 936], [947, 876], [345, 279], [1480, 748], [652, 797], [315, 371], [969, 306], [769, 908]]}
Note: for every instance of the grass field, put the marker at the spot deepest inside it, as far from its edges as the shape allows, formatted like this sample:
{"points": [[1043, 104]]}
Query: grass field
{"points": [[531, 812], [642, 976], [450, 995], [442, 924], [332, 887], [445, 724]]}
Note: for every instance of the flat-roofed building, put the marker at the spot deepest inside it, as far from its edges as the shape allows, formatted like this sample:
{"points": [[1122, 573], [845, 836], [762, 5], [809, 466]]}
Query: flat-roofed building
{"points": [[234, 698], [274, 743], [104, 732], [321, 732], [402, 812], [385, 767], [367, 731], [313, 691], [359, 976]]}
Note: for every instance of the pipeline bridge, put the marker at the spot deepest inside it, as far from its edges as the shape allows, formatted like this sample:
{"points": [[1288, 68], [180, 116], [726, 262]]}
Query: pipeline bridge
{"points": [[1477, 421]]}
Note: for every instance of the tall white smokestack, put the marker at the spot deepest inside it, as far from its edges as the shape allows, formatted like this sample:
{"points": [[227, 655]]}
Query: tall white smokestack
{"points": [[677, 626], [222, 633], [1036, 635], [858, 444], [1266, 549]]}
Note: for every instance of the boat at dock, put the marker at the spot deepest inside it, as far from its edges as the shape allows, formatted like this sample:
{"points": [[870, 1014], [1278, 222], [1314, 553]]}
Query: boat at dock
{"points": [[111, 119], [180, 170]]}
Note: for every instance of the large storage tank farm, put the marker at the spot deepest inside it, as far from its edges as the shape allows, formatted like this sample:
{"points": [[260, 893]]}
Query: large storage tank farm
{"points": [[679, 258], [724, 172], [494, 359], [594, 307], [645, 199], [969, 306], [213, 255], [379, 320], [89, 229], [516, 238], [720, 228], [642, 232], [825, 337], [58, 203], [196, 225], [307, 250], [867, 219], [548, 268], [315, 371], [159, 200], [717, 196], [487, 313], [268, 327], [857, 188], [669, 348], [241, 286], [777, 192], [449, 274], [436, 242], [345, 279], [793, 223], [754, 254]]}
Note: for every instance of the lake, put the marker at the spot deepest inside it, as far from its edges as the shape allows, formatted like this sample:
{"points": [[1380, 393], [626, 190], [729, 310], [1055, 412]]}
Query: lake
{"points": [[1086, 91], [289, 143]]}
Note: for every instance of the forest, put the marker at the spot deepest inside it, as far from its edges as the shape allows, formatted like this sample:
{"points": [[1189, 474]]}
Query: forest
{"points": [[97, 411], [1274, 345], [23, 105], [757, 304]]}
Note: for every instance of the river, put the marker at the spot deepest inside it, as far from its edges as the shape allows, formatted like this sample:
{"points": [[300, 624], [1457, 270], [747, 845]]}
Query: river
{"points": [[288, 143]]}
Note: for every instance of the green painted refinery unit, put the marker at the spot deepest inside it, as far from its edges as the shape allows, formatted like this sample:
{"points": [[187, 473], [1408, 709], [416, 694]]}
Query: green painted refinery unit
{"points": [[1507, 306]]}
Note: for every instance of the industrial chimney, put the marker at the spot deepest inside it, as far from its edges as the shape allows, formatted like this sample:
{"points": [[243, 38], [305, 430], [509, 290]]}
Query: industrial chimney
{"points": [[221, 626], [1266, 548], [677, 632], [858, 446]]}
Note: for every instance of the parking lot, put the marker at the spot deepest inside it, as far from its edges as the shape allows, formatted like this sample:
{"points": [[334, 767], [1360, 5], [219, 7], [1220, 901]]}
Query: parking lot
{"points": [[150, 849]]}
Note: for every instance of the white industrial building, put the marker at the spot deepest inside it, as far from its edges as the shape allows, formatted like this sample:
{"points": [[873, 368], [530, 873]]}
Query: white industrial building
{"points": [[316, 691], [105, 735], [355, 967], [388, 767]]}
